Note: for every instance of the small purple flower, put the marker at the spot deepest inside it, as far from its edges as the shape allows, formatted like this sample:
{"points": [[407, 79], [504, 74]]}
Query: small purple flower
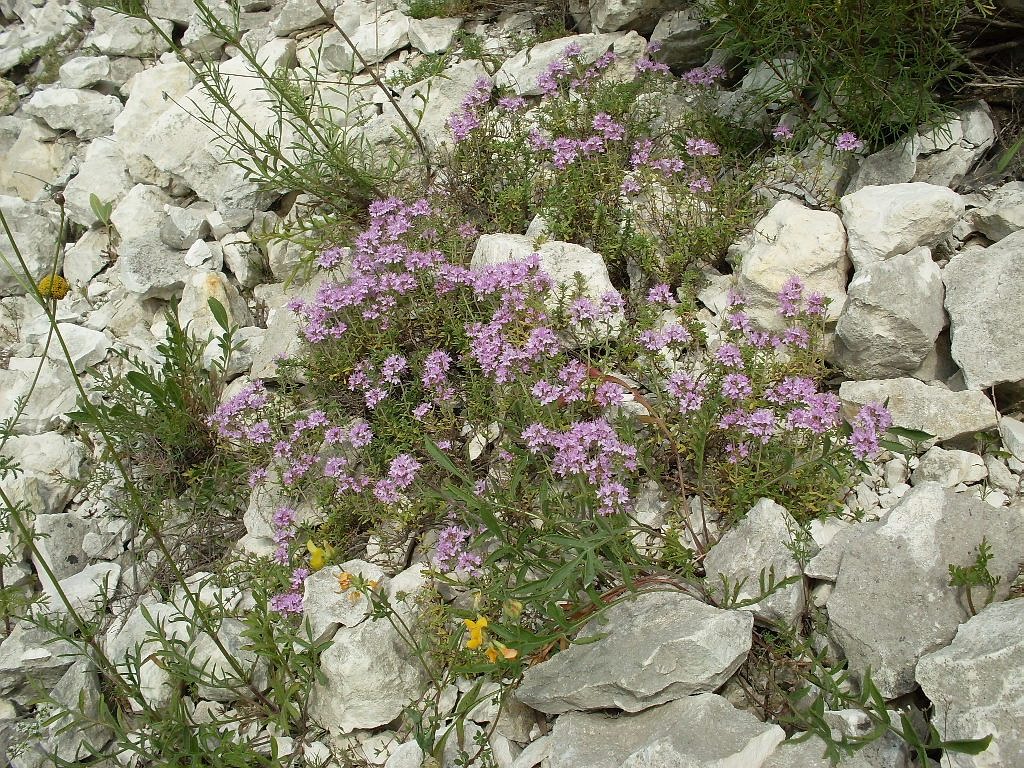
{"points": [[629, 186], [736, 386], [729, 355], [782, 132], [701, 148], [661, 294], [847, 141]]}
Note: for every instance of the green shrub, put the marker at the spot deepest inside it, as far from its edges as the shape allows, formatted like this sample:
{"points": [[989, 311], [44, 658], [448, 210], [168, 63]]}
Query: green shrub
{"points": [[873, 67]]}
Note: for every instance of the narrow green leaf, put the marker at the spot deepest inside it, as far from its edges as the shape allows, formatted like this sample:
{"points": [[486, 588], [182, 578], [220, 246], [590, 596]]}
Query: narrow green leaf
{"points": [[219, 314]]}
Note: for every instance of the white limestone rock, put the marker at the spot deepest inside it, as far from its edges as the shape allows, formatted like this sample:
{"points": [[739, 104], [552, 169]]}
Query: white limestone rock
{"points": [[88, 113], [715, 734], [936, 410], [433, 35], [892, 318], [762, 542], [1003, 214], [892, 601], [659, 647], [116, 34], [882, 222], [84, 71], [976, 684], [985, 299], [791, 240], [521, 71], [104, 173]]}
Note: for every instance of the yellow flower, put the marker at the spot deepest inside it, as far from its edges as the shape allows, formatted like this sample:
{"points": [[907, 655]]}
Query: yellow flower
{"points": [[53, 287], [318, 557], [344, 581], [476, 632]]}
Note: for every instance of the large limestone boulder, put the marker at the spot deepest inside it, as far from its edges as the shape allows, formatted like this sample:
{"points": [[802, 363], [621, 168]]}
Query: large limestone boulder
{"points": [[659, 646], [791, 240], [885, 221], [639, 15], [936, 410], [892, 601], [702, 730], [976, 684], [88, 113], [892, 317], [985, 301], [371, 676]]}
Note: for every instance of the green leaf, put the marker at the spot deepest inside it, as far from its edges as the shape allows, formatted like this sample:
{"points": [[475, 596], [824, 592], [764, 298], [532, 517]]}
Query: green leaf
{"points": [[894, 447], [914, 435], [144, 383], [219, 314], [966, 746]]}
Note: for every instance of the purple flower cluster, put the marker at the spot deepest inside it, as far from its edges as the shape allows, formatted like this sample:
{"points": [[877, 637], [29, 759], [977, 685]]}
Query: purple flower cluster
{"points": [[468, 118], [704, 76], [702, 148], [869, 425], [847, 141], [571, 386], [291, 601], [453, 552], [590, 450], [564, 151], [238, 418], [401, 475]]}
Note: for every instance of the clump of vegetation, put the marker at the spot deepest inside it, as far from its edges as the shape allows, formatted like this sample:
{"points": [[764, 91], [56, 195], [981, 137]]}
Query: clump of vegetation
{"points": [[874, 67]]}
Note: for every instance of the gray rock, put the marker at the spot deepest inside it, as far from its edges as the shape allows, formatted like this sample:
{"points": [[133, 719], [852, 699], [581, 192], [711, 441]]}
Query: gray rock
{"points": [[54, 393], [68, 738], [35, 227], [791, 240], [1001, 477], [949, 468], [521, 71], [283, 337], [1003, 214], [1012, 433], [977, 686], [892, 601], [948, 151], [116, 34], [371, 676], [133, 644], [883, 222], [888, 752], [895, 164], [88, 591], [715, 734], [761, 543], [936, 410], [104, 173], [59, 544], [88, 113], [216, 668], [639, 15], [684, 37], [659, 647], [194, 312], [30, 652], [183, 226], [892, 318], [326, 606], [376, 37], [984, 298], [205, 256], [433, 35]]}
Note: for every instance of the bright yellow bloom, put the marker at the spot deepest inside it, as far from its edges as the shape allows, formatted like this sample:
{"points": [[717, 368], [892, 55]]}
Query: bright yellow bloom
{"points": [[53, 287], [318, 557], [476, 632]]}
